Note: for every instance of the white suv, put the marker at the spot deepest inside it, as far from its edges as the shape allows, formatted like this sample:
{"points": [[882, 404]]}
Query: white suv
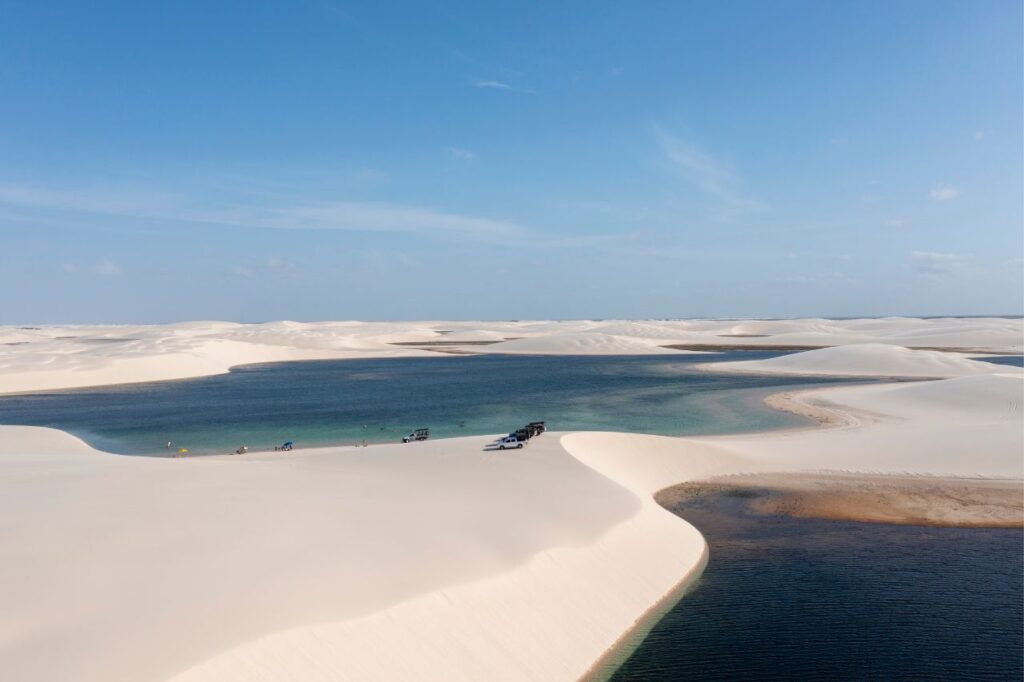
{"points": [[509, 442]]}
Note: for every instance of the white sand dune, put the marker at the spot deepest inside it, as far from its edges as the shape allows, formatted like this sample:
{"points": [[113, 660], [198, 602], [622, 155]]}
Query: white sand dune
{"points": [[473, 335], [433, 561], [130, 355], [579, 343], [427, 561], [868, 359], [963, 427], [51, 357]]}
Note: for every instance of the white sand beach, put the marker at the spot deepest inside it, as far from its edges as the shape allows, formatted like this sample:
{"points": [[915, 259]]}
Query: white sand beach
{"points": [[434, 560]]}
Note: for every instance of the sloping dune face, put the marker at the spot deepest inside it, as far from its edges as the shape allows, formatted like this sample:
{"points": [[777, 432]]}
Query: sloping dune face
{"points": [[133, 568], [963, 427], [869, 359], [983, 397], [72, 357]]}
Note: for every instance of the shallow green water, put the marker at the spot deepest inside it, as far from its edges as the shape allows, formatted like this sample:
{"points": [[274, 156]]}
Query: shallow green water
{"points": [[346, 401]]}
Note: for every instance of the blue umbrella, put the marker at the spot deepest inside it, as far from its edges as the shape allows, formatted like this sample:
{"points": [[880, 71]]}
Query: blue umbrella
{"points": [[289, 443]]}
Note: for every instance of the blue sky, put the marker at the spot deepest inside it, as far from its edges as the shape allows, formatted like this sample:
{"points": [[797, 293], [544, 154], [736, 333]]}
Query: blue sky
{"points": [[331, 160]]}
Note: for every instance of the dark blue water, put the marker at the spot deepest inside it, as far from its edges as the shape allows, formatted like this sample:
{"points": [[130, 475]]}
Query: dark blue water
{"points": [[1011, 360], [346, 401], [806, 599]]}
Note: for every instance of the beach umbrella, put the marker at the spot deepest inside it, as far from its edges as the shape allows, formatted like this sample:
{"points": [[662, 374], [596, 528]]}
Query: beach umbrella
{"points": [[288, 444]]}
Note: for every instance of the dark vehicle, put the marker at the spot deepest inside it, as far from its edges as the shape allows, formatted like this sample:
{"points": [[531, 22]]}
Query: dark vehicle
{"points": [[536, 428], [418, 434]]}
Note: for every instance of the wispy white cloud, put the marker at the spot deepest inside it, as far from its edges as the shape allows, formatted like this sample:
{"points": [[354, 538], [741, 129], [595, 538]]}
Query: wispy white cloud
{"points": [[501, 85], [366, 217], [321, 215], [715, 178], [105, 268], [942, 192], [272, 265], [306, 215], [817, 279], [937, 265], [461, 154], [588, 240], [497, 85], [374, 175]]}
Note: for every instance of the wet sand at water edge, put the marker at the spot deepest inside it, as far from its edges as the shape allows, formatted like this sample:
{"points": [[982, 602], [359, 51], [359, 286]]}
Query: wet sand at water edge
{"points": [[913, 500]]}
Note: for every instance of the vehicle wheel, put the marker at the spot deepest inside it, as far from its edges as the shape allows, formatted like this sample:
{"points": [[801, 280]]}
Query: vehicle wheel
{"points": [[501, 447], [519, 447]]}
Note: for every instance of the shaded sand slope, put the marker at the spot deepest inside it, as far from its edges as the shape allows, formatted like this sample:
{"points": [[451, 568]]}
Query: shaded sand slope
{"points": [[872, 359]]}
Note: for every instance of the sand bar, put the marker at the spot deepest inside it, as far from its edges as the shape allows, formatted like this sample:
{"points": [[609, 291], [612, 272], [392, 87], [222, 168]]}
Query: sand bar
{"points": [[914, 500]]}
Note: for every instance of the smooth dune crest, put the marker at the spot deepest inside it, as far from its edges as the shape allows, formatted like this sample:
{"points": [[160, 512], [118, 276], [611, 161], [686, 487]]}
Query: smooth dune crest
{"points": [[869, 359], [579, 343]]}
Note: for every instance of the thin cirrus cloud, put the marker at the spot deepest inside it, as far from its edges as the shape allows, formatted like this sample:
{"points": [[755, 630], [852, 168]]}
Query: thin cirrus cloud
{"points": [[106, 268], [501, 85], [310, 215], [103, 268], [714, 178], [323, 215], [937, 265], [461, 154], [942, 192], [495, 85], [272, 265]]}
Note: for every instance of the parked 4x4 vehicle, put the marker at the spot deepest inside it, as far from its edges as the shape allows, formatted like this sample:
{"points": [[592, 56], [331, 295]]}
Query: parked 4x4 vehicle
{"points": [[418, 434], [509, 442]]}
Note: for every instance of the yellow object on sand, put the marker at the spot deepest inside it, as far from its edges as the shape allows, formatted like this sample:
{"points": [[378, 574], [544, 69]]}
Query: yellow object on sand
{"points": [[182, 449]]}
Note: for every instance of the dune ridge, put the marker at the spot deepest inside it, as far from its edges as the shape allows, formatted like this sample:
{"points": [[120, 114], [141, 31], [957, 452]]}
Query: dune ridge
{"points": [[53, 357], [867, 359]]}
